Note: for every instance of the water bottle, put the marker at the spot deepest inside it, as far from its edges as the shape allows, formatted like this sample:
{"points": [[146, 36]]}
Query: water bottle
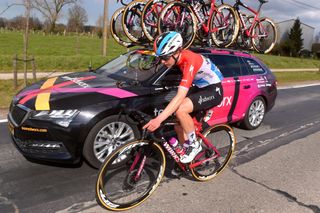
{"points": [[176, 146]]}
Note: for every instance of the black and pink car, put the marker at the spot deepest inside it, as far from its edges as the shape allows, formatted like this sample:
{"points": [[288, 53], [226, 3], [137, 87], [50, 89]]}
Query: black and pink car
{"points": [[63, 118]]}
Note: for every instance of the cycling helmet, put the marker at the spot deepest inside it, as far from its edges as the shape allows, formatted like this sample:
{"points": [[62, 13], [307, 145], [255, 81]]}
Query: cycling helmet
{"points": [[167, 43]]}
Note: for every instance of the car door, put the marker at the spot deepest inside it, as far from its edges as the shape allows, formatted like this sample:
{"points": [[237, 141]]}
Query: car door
{"points": [[235, 88]]}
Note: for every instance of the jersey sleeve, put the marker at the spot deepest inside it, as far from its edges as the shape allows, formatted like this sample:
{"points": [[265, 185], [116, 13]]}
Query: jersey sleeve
{"points": [[188, 73]]}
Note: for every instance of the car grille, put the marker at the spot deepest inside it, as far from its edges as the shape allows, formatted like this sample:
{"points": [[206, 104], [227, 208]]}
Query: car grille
{"points": [[18, 114], [40, 147]]}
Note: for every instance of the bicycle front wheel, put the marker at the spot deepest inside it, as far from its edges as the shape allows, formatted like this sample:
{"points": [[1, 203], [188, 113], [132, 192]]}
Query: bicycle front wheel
{"points": [[215, 154], [224, 26], [150, 15], [264, 35], [132, 182], [131, 22], [117, 29]]}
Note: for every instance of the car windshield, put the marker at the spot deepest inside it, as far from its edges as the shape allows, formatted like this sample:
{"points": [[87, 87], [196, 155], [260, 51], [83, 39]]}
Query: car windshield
{"points": [[138, 66]]}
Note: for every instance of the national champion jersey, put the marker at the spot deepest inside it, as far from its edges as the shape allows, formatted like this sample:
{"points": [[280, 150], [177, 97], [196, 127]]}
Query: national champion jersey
{"points": [[197, 69]]}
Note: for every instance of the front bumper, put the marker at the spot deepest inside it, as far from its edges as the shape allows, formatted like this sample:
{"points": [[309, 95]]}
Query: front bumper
{"points": [[41, 140]]}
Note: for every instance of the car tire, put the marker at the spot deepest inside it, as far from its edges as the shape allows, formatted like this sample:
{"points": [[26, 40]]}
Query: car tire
{"points": [[100, 143], [255, 114]]}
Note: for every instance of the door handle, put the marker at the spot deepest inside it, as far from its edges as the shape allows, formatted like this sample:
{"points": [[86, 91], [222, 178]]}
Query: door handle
{"points": [[246, 87]]}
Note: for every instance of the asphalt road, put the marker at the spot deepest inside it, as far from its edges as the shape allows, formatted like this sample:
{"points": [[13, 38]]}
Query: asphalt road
{"points": [[275, 169]]}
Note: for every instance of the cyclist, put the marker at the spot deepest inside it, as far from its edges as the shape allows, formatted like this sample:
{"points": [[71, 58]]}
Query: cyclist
{"points": [[196, 69]]}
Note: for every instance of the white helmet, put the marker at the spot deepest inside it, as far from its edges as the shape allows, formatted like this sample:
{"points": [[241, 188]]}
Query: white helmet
{"points": [[167, 43]]}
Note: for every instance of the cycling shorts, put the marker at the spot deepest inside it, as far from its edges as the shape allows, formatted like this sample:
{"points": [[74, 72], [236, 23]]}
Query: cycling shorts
{"points": [[206, 97]]}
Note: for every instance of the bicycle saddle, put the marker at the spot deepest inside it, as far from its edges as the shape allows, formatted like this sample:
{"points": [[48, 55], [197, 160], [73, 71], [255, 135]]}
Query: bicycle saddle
{"points": [[263, 1]]}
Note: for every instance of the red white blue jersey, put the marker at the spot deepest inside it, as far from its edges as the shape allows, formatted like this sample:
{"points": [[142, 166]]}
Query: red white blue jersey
{"points": [[198, 70]]}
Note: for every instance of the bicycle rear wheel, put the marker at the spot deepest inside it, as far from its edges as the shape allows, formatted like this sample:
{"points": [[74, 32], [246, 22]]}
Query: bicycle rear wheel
{"points": [[121, 188], [177, 16], [264, 35], [216, 155]]}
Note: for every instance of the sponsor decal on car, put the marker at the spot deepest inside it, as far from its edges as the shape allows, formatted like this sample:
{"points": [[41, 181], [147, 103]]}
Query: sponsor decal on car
{"points": [[30, 129], [43, 94]]}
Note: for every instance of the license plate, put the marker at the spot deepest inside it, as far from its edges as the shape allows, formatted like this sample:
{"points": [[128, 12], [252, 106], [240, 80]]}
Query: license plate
{"points": [[11, 128]]}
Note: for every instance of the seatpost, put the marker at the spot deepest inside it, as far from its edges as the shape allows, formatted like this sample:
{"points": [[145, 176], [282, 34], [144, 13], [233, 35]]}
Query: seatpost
{"points": [[260, 7]]}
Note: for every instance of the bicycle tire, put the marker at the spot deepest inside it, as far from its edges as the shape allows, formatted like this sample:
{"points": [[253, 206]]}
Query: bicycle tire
{"points": [[268, 45], [224, 26], [116, 32], [131, 22], [243, 41], [114, 186], [201, 34], [223, 139], [150, 16], [170, 20]]}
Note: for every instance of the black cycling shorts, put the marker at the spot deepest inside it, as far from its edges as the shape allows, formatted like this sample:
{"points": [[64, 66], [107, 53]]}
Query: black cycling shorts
{"points": [[206, 97]]}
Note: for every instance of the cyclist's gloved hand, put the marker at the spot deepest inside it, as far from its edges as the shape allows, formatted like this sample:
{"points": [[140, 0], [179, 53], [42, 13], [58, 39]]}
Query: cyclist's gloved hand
{"points": [[152, 125]]}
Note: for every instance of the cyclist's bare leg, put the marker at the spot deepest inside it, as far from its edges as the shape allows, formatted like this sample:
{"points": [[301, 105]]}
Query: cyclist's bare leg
{"points": [[184, 117], [182, 137]]}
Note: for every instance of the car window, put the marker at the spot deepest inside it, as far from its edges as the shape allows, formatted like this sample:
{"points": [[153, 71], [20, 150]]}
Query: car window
{"points": [[132, 66], [253, 66], [244, 68], [228, 65]]}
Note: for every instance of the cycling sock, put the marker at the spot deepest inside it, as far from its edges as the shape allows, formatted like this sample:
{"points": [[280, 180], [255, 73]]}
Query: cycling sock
{"points": [[192, 137], [186, 144]]}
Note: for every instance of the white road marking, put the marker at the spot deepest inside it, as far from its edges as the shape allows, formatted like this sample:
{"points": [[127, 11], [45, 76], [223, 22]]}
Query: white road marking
{"points": [[298, 86], [3, 120]]}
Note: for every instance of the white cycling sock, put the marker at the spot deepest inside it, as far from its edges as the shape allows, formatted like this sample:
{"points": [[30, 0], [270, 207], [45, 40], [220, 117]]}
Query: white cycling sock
{"points": [[192, 137]]}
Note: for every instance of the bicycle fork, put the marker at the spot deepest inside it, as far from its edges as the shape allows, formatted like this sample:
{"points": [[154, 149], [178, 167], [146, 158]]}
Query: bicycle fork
{"points": [[135, 161]]}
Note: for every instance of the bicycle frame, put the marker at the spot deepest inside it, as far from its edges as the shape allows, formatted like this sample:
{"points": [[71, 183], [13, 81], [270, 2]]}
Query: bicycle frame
{"points": [[157, 8], [256, 13], [175, 156], [206, 25]]}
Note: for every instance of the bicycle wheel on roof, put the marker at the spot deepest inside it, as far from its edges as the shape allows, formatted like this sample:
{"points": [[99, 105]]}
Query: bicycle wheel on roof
{"points": [[150, 15], [177, 16], [224, 26], [131, 22], [117, 30], [264, 35]]}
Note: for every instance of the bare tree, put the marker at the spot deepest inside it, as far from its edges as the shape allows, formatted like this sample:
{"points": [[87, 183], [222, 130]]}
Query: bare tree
{"points": [[51, 9], [77, 18], [10, 5]]}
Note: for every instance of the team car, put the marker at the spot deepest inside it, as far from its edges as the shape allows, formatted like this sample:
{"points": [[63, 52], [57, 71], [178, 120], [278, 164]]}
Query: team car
{"points": [[63, 118]]}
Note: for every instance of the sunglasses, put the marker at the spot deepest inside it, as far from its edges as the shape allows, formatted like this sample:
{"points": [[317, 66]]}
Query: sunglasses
{"points": [[165, 58]]}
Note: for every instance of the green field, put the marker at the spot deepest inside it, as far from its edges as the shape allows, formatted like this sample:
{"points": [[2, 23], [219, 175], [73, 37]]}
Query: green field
{"points": [[72, 53], [56, 53]]}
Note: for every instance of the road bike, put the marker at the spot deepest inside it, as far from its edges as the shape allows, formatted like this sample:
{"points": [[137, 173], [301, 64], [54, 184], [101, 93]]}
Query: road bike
{"points": [[195, 17], [261, 33], [141, 164]]}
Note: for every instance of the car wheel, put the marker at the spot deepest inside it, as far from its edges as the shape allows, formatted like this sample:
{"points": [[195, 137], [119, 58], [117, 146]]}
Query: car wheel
{"points": [[255, 114], [106, 136]]}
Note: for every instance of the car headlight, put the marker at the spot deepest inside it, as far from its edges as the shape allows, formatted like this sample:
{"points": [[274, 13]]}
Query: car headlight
{"points": [[60, 117]]}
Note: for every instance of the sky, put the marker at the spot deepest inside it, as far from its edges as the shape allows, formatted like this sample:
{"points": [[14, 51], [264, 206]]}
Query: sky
{"points": [[279, 10]]}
